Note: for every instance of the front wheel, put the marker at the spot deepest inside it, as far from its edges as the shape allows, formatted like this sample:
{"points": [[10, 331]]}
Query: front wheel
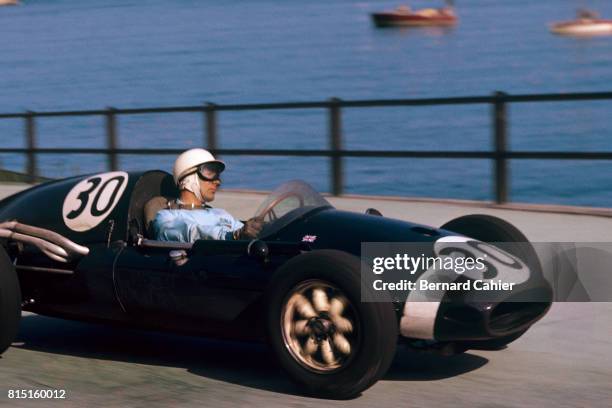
{"points": [[492, 229], [329, 342], [10, 302]]}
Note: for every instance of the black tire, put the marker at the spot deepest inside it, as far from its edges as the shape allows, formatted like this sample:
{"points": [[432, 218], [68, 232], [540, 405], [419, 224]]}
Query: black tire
{"points": [[10, 302], [373, 341], [490, 229]]}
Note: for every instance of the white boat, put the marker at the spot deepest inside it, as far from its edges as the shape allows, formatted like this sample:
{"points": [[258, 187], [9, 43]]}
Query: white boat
{"points": [[587, 23]]}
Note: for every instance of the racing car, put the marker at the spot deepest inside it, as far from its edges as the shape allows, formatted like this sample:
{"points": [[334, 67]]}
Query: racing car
{"points": [[81, 248]]}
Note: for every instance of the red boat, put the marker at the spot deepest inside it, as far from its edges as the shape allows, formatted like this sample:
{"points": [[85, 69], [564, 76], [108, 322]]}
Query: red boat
{"points": [[403, 16]]}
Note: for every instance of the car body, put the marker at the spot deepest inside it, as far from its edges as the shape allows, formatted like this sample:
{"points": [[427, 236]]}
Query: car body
{"points": [[98, 264]]}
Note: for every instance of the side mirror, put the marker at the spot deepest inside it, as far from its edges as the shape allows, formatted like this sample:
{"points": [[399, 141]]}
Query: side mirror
{"points": [[373, 211], [259, 250]]}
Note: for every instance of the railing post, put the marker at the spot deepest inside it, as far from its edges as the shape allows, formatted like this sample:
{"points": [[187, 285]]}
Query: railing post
{"points": [[30, 133], [500, 129], [111, 138], [335, 142], [210, 113]]}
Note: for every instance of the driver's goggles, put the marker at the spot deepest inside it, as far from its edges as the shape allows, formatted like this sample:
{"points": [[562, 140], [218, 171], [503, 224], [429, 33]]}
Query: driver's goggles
{"points": [[208, 173]]}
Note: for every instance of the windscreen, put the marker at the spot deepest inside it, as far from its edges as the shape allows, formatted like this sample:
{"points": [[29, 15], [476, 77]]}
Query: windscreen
{"points": [[288, 202]]}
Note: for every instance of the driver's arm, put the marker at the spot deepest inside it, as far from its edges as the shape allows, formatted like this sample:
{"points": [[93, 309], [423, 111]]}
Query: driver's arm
{"points": [[168, 225], [214, 223], [193, 225]]}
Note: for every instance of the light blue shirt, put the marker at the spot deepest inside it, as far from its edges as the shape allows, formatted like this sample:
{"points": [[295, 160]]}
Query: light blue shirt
{"points": [[192, 225]]}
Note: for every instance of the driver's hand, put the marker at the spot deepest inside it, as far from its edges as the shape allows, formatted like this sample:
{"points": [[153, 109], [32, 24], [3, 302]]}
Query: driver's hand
{"points": [[251, 229]]}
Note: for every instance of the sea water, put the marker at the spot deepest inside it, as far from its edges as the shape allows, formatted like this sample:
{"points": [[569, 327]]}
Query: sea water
{"points": [[72, 55]]}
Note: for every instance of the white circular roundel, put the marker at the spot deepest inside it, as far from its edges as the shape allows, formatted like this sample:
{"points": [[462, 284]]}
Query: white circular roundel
{"points": [[93, 199]]}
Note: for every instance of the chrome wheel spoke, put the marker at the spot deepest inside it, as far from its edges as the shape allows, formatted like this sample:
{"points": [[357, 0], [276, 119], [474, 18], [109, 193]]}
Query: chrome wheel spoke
{"points": [[342, 324], [304, 307], [327, 353], [301, 328], [320, 300], [337, 305], [342, 344], [311, 346]]}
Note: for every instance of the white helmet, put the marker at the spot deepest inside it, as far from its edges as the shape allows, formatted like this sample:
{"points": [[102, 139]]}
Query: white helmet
{"points": [[189, 160]]}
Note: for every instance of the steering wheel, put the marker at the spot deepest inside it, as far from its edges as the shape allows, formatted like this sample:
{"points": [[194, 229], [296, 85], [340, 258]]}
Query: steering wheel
{"points": [[269, 212]]}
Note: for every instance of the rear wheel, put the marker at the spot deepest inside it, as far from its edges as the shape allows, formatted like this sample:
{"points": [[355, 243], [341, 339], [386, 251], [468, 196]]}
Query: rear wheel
{"points": [[10, 302], [329, 342]]}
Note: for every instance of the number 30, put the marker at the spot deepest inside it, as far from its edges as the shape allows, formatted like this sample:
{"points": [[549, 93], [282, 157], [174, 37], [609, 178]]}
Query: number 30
{"points": [[92, 199]]}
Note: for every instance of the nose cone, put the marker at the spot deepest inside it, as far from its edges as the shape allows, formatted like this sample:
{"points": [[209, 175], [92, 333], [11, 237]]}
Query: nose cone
{"points": [[490, 319], [475, 314]]}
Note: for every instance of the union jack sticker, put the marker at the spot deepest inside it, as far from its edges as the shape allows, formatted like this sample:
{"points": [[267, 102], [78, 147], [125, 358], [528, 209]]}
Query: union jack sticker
{"points": [[309, 238]]}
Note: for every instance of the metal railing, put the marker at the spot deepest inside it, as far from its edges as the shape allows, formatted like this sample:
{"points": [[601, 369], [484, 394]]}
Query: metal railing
{"points": [[499, 155]]}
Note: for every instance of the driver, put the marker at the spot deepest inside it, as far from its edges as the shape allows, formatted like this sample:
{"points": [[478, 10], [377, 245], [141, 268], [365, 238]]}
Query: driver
{"points": [[189, 218]]}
